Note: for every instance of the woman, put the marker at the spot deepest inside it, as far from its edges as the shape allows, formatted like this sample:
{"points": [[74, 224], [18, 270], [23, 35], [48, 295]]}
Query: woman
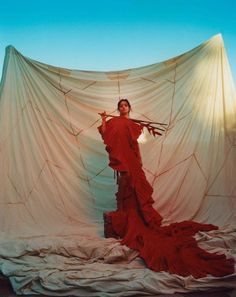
{"points": [[164, 248]]}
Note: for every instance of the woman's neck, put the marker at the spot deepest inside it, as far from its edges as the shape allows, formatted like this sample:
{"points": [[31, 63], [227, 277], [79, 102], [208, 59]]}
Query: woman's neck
{"points": [[124, 116]]}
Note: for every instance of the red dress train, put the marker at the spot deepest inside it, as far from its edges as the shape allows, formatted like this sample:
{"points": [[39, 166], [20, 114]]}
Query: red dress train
{"points": [[169, 248]]}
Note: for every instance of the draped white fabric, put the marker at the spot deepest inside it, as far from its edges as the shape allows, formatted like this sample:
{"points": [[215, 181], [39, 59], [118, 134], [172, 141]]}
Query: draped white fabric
{"points": [[55, 179]]}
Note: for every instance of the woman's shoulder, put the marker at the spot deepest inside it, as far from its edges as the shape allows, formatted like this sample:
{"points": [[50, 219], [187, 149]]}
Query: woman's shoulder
{"points": [[117, 120]]}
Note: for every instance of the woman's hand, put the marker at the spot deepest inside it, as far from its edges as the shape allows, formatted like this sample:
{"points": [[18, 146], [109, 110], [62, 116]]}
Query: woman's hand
{"points": [[103, 116]]}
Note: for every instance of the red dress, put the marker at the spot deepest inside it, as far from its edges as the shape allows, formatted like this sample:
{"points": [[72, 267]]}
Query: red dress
{"points": [[169, 248]]}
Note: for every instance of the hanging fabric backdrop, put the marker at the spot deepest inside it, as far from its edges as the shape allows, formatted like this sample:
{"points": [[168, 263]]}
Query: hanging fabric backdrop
{"points": [[56, 183]]}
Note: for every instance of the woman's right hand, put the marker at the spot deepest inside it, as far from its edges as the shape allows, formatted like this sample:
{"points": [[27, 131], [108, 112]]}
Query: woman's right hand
{"points": [[103, 126], [103, 116]]}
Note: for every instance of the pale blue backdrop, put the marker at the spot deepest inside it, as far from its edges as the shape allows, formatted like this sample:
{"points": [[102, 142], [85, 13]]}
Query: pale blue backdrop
{"points": [[113, 34]]}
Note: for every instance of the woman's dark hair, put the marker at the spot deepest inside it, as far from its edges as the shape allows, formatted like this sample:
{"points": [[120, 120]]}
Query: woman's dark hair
{"points": [[123, 100]]}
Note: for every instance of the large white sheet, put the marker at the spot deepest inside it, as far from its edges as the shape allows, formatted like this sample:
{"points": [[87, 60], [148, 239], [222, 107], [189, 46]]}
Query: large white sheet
{"points": [[55, 180]]}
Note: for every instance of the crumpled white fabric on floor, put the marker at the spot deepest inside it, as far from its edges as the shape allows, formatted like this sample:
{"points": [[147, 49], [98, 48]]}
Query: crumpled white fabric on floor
{"points": [[85, 266], [55, 179]]}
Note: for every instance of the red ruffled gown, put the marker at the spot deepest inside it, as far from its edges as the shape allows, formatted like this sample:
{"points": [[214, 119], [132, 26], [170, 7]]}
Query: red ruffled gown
{"points": [[169, 248]]}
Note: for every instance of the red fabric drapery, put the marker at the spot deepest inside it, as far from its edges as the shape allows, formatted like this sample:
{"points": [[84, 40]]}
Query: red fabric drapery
{"points": [[164, 248]]}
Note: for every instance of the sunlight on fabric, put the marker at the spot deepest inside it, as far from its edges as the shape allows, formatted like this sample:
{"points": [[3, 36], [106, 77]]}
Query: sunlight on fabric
{"points": [[213, 108], [142, 138]]}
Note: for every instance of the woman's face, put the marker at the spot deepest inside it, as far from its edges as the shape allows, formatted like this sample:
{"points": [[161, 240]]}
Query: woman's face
{"points": [[124, 108]]}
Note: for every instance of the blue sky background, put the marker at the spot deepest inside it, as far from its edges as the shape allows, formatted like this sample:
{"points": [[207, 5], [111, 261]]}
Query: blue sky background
{"points": [[115, 34]]}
